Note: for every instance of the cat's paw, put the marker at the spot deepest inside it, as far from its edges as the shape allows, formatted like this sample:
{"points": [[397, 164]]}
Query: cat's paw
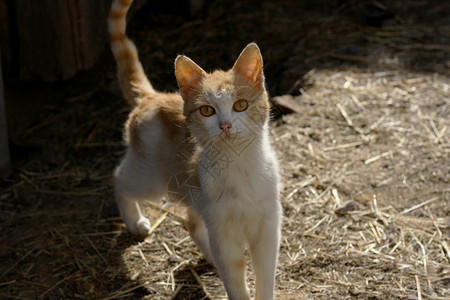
{"points": [[141, 228]]}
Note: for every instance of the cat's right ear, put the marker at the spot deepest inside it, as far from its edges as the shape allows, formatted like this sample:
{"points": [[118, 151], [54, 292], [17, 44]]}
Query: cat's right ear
{"points": [[188, 74]]}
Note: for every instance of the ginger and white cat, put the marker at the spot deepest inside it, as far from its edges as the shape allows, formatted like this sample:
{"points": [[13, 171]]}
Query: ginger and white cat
{"points": [[209, 146]]}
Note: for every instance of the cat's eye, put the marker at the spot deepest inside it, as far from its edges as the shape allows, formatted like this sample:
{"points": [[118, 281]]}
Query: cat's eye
{"points": [[207, 111], [240, 105]]}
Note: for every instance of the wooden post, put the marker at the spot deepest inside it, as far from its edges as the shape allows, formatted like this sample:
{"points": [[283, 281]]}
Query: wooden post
{"points": [[5, 167]]}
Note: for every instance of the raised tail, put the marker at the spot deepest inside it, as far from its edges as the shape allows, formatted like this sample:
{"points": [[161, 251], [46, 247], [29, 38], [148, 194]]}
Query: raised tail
{"points": [[133, 81]]}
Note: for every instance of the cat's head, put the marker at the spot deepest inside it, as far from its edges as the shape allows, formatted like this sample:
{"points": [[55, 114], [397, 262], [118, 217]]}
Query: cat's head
{"points": [[224, 106]]}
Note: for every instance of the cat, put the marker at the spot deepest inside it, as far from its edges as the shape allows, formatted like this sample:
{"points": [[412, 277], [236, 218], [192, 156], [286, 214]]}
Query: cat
{"points": [[209, 147]]}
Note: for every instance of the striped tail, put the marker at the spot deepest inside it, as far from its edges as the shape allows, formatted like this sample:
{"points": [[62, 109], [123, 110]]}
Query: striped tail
{"points": [[133, 82]]}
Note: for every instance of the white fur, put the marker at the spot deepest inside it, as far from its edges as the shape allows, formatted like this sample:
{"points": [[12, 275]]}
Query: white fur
{"points": [[241, 207], [140, 177]]}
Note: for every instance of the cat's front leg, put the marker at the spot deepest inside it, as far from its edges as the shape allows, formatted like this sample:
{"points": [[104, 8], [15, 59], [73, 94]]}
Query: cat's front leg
{"points": [[197, 229], [264, 253], [229, 259]]}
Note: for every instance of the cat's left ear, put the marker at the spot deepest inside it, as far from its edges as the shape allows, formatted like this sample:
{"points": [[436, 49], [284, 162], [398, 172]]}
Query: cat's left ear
{"points": [[250, 64]]}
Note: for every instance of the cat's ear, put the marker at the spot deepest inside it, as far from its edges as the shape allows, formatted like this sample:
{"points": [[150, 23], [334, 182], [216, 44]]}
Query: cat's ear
{"points": [[188, 74], [250, 64]]}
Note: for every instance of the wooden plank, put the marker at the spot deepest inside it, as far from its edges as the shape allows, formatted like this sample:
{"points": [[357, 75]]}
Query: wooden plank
{"points": [[51, 37], [44, 42], [51, 40]]}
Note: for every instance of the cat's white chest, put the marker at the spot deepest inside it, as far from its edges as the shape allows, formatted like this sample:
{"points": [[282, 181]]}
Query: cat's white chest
{"points": [[242, 196], [242, 183]]}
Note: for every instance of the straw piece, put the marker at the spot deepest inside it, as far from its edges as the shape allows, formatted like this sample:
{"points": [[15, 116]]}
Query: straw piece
{"points": [[167, 248], [376, 157], [200, 282], [419, 292], [344, 146], [158, 222], [8, 282], [18, 261], [175, 293], [143, 257], [96, 250], [42, 296], [404, 212], [446, 249], [158, 207], [422, 247]]}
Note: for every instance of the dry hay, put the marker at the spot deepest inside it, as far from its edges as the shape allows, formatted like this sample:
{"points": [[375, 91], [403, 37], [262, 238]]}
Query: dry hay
{"points": [[368, 142], [364, 166]]}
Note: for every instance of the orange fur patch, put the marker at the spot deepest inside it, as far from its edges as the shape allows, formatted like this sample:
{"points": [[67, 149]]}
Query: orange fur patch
{"points": [[126, 55], [117, 15], [167, 108], [238, 265], [117, 37]]}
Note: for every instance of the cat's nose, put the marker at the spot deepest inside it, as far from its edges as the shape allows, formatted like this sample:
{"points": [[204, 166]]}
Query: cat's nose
{"points": [[225, 126]]}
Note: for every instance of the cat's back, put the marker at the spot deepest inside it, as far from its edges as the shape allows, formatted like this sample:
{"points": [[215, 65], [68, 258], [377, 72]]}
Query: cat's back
{"points": [[157, 121]]}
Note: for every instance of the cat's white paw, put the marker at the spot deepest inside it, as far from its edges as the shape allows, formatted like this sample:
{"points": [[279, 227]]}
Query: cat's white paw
{"points": [[141, 228]]}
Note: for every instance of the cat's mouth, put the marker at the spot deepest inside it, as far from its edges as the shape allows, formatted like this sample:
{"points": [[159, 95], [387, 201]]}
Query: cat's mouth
{"points": [[230, 137], [227, 135]]}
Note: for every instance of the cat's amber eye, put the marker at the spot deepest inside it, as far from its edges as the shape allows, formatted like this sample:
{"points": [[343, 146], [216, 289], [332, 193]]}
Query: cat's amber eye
{"points": [[240, 105], [207, 111]]}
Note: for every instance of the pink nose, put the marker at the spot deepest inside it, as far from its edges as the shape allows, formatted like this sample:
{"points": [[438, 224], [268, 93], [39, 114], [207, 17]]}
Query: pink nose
{"points": [[225, 126], [226, 129]]}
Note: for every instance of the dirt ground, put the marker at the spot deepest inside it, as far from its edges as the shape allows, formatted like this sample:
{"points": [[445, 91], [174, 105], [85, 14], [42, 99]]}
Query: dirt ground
{"points": [[364, 160]]}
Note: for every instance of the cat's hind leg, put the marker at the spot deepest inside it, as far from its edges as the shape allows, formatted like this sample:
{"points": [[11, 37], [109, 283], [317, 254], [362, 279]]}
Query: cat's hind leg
{"points": [[136, 180], [137, 223]]}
